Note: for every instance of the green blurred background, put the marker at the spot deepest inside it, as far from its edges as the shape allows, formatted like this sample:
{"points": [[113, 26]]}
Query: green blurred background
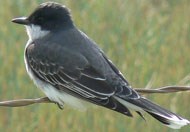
{"points": [[148, 40]]}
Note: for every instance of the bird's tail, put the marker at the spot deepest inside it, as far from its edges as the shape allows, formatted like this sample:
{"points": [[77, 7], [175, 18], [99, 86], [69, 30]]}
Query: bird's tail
{"points": [[164, 116]]}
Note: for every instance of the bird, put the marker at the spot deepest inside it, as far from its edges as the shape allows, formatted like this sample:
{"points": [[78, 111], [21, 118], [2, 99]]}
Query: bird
{"points": [[70, 68]]}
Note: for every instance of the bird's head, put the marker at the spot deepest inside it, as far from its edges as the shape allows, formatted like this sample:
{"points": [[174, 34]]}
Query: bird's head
{"points": [[47, 17]]}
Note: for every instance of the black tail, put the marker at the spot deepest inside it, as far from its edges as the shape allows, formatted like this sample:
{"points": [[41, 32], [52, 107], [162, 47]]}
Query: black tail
{"points": [[166, 117]]}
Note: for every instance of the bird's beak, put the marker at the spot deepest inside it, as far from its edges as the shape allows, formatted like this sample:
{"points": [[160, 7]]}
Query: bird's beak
{"points": [[21, 20]]}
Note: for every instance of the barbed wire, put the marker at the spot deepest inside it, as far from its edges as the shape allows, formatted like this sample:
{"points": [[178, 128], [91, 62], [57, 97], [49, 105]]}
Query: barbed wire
{"points": [[25, 102]]}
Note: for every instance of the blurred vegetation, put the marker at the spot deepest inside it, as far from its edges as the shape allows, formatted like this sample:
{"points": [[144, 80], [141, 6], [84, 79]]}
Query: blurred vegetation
{"points": [[146, 39]]}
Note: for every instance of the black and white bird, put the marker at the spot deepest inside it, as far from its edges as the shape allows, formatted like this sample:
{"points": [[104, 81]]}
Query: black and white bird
{"points": [[69, 67]]}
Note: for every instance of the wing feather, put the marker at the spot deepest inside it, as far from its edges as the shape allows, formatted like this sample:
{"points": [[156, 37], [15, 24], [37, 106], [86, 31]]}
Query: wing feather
{"points": [[84, 79], [73, 74]]}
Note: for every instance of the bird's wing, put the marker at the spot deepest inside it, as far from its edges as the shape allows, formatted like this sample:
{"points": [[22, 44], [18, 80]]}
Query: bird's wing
{"points": [[72, 73], [126, 91], [60, 67]]}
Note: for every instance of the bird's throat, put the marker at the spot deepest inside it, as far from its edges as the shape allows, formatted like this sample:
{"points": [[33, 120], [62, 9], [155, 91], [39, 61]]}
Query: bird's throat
{"points": [[35, 32]]}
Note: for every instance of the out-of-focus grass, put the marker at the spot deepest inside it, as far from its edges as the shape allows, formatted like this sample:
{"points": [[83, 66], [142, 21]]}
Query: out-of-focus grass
{"points": [[143, 38]]}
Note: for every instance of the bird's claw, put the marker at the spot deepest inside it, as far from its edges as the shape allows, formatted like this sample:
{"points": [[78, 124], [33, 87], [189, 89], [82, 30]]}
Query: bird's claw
{"points": [[61, 106]]}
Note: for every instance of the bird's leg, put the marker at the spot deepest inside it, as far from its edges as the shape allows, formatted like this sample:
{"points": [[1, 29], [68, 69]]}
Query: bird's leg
{"points": [[61, 106]]}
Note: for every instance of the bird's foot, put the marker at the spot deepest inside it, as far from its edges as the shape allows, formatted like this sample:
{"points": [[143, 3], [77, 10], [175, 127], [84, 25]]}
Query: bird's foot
{"points": [[61, 106]]}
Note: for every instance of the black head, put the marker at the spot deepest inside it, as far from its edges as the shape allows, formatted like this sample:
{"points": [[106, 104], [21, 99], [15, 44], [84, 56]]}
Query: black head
{"points": [[49, 16]]}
